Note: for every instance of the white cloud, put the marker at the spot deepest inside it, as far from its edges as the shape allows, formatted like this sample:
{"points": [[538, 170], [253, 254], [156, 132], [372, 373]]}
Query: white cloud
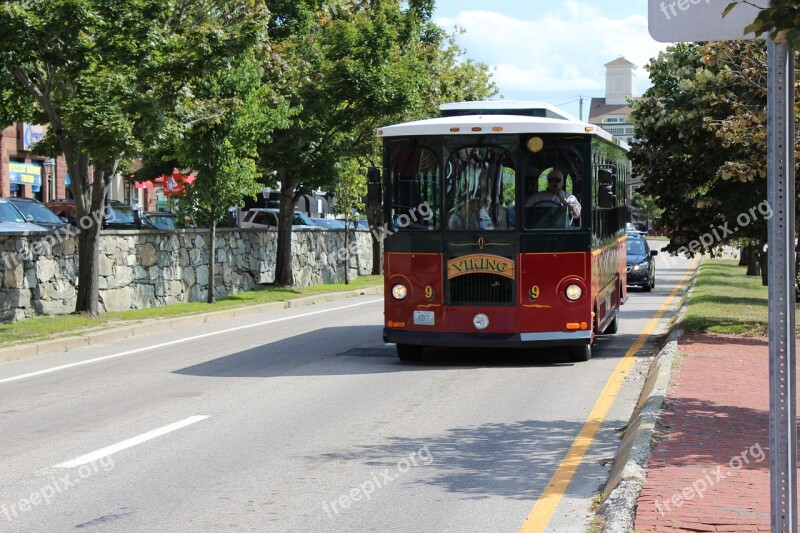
{"points": [[555, 53]]}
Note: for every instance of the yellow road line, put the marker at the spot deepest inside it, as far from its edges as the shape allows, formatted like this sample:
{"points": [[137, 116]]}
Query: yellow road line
{"points": [[546, 505]]}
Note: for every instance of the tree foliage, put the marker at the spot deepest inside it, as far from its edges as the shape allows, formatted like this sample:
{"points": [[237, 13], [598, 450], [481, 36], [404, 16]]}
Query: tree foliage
{"points": [[110, 78], [222, 146], [703, 153], [781, 20], [646, 206], [347, 71]]}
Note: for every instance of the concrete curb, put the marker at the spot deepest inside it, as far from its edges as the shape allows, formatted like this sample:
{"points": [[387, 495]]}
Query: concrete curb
{"points": [[148, 327], [628, 473]]}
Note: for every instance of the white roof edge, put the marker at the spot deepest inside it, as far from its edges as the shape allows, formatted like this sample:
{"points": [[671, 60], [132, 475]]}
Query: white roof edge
{"points": [[506, 104], [510, 124]]}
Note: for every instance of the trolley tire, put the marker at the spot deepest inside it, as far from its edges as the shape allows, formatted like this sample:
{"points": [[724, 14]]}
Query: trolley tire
{"points": [[612, 326], [409, 353], [580, 354]]}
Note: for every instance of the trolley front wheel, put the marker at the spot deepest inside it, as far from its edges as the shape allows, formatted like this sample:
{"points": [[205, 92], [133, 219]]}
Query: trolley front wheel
{"points": [[409, 353]]}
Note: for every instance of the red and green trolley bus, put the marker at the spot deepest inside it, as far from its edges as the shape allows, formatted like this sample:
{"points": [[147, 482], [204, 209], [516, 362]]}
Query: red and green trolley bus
{"points": [[474, 257]]}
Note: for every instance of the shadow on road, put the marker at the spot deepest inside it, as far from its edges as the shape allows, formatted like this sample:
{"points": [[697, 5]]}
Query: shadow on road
{"points": [[330, 351], [512, 460]]}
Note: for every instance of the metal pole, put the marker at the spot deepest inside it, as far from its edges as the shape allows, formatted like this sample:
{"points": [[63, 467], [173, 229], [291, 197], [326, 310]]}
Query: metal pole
{"points": [[781, 197]]}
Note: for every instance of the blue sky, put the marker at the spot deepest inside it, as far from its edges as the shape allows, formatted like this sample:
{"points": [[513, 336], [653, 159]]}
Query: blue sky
{"points": [[552, 50]]}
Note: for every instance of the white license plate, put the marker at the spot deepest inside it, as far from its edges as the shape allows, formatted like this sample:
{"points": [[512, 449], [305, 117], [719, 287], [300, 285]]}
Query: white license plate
{"points": [[423, 318]]}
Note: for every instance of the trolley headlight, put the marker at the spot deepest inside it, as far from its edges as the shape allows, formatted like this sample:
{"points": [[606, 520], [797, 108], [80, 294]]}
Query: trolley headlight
{"points": [[399, 292], [480, 321], [573, 292]]}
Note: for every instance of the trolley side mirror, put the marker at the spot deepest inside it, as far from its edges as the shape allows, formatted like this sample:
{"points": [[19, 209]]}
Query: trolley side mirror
{"points": [[605, 192], [374, 175], [374, 189]]}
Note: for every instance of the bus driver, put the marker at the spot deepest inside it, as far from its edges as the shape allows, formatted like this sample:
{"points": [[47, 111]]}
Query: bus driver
{"points": [[555, 194]]}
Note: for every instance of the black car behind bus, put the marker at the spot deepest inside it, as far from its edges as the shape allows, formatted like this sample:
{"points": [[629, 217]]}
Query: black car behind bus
{"points": [[641, 262]]}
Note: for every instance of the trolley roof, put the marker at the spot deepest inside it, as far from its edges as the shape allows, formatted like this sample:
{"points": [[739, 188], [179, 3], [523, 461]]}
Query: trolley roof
{"points": [[526, 108], [497, 124]]}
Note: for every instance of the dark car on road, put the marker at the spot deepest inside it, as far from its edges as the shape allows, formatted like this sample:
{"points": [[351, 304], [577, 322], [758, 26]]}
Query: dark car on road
{"points": [[35, 211], [157, 220], [117, 215], [641, 263], [328, 223], [166, 221]]}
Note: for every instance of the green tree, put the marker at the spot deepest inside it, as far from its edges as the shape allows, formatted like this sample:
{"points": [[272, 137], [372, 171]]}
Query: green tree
{"points": [[348, 71], [108, 78], [350, 190], [780, 20], [223, 149], [700, 162], [646, 206]]}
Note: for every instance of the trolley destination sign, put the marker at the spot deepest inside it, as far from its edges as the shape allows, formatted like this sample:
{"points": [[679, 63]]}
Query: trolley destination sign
{"points": [[480, 263]]}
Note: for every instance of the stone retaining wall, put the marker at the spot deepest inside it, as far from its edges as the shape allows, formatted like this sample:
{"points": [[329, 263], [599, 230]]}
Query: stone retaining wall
{"points": [[38, 275]]}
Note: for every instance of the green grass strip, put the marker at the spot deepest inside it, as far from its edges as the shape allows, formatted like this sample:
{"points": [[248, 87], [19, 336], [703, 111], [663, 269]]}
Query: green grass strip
{"points": [[48, 327], [725, 300]]}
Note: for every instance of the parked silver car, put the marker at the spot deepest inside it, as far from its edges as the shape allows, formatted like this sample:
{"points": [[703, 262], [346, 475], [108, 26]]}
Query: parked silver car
{"points": [[35, 211], [12, 221]]}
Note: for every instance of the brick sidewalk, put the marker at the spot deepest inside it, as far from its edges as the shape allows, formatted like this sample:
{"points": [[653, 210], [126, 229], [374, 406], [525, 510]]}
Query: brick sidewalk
{"points": [[711, 471]]}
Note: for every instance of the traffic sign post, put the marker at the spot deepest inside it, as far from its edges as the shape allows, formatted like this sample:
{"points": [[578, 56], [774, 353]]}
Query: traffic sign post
{"points": [[701, 20], [781, 265]]}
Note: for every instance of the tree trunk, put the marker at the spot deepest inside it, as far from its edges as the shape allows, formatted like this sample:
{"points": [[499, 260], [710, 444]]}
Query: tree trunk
{"points": [[88, 269], [753, 268], [763, 263], [346, 249], [743, 252], [90, 206], [283, 264], [212, 260]]}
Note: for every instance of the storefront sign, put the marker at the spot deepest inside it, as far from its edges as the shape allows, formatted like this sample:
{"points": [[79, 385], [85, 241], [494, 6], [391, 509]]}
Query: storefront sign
{"points": [[31, 134], [25, 173]]}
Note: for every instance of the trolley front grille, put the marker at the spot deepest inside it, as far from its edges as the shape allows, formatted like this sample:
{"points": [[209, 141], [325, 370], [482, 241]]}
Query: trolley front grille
{"points": [[472, 289]]}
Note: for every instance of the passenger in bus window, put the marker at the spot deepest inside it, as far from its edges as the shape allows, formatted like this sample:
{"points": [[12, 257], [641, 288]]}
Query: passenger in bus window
{"points": [[556, 196], [485, 220], [456, 220], [511, 217]]}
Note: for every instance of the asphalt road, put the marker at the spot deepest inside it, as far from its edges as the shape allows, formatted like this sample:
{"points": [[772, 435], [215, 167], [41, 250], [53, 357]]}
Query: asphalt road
{"points": [[304, 420]]}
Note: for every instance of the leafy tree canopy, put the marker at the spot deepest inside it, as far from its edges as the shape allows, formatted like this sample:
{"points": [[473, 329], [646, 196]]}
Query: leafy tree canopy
{"points": [[347, 68], [781, 20], [703, 153], [110, 78]]}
